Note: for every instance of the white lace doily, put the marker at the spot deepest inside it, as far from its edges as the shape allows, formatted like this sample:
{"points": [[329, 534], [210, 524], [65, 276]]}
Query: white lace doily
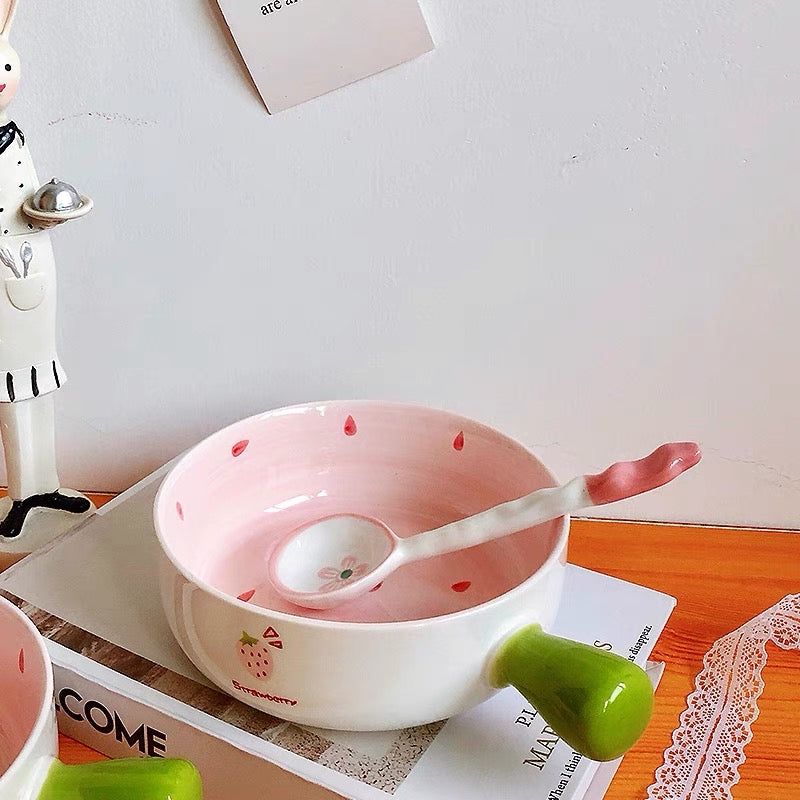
{"points": [[708, 747]]}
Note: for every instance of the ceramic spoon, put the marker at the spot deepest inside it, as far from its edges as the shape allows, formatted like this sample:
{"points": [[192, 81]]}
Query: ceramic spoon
{"points": [[26, 254], [302, 566]]}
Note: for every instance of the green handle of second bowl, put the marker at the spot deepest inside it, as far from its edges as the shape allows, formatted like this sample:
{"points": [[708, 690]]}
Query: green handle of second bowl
{"points": [[596, 701], [123, 779]]}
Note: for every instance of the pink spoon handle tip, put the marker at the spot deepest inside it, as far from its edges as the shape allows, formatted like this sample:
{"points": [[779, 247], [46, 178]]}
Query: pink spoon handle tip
{"points": [[629, 478]]}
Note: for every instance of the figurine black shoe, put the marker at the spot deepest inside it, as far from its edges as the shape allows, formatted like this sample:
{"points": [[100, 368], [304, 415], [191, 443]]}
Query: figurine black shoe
{"points": [[12, 525]]}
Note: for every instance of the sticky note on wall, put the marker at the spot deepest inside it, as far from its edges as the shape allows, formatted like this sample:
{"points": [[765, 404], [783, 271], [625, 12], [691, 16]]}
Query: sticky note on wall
{"points": [[300, 49]]}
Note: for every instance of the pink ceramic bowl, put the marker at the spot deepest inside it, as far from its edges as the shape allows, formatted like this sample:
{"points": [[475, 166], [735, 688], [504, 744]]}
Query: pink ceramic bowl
{"points": [[29, 769], [420, 646]]}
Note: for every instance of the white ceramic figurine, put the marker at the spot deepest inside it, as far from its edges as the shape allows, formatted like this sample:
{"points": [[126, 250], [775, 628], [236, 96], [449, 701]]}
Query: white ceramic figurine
{"points": [[37, 508]]}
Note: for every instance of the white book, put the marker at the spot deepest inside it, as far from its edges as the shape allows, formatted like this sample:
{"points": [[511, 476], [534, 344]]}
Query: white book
{"points": [[123, 686]]}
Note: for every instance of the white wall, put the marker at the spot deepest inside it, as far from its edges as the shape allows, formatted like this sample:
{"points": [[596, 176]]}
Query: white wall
{"points": [[577, 221]]}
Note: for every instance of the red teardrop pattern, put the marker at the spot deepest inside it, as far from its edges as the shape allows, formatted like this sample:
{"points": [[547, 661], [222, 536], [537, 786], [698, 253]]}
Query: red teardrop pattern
{"points": [[21, 661], [350, 427], [246, 596], [239, 448], [375, 588], [179, 509], [461, 586], [458, 442]]}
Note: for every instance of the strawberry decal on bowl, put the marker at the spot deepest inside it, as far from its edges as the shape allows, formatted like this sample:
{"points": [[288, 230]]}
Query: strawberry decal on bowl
{"points": [[254, 656]]}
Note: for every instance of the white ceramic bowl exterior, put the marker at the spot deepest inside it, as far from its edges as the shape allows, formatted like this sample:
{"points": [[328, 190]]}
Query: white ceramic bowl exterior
{"points": [[29, 739], [415, 650]]}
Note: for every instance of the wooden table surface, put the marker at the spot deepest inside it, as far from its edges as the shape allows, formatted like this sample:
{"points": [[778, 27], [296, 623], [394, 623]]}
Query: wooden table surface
{"points": [[721, 579]]}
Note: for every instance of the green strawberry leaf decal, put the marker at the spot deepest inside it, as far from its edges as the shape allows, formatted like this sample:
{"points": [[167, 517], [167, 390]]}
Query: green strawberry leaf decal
{"points": [[247, 639]]}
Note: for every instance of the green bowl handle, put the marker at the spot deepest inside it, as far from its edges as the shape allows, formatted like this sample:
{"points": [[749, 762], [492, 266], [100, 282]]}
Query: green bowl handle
{"points": [[124, 779], [597, 702]]}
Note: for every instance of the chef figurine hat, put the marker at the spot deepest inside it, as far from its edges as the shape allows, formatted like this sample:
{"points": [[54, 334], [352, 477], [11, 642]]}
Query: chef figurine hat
{"points": [[9, 16]]}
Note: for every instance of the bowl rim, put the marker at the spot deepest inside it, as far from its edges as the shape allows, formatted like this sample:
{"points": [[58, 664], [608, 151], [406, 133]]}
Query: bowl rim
{"points": [[43, 715], [184, 460]]}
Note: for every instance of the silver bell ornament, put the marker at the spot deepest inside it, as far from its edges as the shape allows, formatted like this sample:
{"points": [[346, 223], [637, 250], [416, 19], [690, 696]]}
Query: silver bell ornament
{"points": [[57, 201], [57, 196]]}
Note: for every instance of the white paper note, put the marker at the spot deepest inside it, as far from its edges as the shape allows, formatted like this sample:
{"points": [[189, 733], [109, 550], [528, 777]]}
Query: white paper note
{"points": [[300, 49]]}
